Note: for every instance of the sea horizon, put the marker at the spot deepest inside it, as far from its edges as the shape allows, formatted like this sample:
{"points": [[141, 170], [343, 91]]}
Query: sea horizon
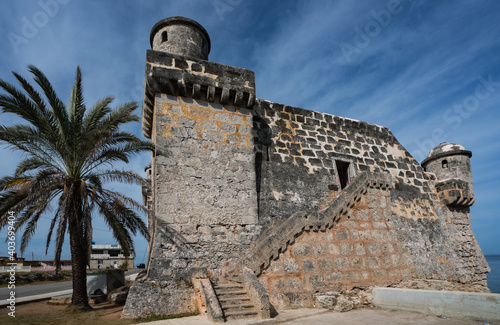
{"points": [[494, 276]]}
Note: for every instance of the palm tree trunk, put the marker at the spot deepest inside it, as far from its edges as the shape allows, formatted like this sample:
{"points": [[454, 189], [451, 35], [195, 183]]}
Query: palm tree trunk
{"points": [[79, 265]]}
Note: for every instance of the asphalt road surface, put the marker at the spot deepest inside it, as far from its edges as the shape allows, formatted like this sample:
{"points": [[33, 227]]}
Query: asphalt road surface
{"points": [[37, 289]]}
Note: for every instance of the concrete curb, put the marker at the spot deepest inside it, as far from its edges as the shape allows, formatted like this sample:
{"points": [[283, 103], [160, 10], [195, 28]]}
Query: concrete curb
{"points": [[456, 304]]}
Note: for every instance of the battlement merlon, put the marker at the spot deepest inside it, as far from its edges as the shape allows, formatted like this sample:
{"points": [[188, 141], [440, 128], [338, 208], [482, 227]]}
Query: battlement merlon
{"points": [[172, 74]]}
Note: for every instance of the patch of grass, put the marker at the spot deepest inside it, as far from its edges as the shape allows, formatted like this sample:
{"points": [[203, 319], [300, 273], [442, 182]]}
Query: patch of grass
{"points": [[155, 318], [41, 313]]}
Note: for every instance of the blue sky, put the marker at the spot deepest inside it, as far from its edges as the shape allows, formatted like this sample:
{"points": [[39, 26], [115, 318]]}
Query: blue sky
{"points": [[428, 70]]}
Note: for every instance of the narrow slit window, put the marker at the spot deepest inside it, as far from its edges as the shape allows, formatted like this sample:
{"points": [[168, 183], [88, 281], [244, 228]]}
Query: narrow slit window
{"points": [[444, 163], [343, 172], [164, 36]]}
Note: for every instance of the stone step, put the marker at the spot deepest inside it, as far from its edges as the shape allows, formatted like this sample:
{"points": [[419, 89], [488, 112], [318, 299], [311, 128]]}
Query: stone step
{"points": [[228, 286], [241, 307], [236, 299], [234, 279], [241, 314], [230, 293], [235, 302]]}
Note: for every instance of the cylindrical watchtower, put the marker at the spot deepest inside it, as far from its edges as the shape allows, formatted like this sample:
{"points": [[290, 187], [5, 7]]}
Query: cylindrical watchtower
{"points": [[450, 163], [181, 36]]}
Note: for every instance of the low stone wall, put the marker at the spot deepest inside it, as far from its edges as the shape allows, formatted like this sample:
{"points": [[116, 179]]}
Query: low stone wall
{"points": [[476, 306]]}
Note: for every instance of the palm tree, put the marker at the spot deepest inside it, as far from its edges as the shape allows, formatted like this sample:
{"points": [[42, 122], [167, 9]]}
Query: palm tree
{"points": [[69, 152]]}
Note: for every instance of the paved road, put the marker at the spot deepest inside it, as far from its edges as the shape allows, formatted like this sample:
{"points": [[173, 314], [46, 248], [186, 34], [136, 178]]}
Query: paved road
{"points": [[38, 289], [324, 317], [35, 289]]}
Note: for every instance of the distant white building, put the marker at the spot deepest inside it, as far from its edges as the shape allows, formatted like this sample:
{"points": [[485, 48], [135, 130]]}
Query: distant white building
{"points": [[112, 256]]}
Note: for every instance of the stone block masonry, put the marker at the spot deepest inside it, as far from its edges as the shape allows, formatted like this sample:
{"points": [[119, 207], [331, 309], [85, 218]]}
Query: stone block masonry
{"points": [[297, 152], [204, 172], [205, 185], [176, 75], [214, 123], [361, 250], [297, 170]]}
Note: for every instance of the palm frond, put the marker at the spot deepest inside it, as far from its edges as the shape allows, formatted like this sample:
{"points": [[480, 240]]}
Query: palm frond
{"points": [[14, 201], [122, 176], [61, 230], [28, 140], [96, 114], [58, 108], [30, 164], [17, 103], [48, 127], [51, 229], [124, 199], [119, 116]]}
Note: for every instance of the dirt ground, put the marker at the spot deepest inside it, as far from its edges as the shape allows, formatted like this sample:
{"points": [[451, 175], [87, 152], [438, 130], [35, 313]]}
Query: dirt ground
{"points": [[43, 313]]}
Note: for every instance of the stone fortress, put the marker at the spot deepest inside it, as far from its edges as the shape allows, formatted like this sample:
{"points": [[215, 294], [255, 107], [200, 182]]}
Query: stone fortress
{"points": [[255, 206]]}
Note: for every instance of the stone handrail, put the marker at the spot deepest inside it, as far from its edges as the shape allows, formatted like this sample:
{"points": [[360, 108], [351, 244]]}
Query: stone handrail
{"points": [[214, 310], [202, 283], [257, 292], [269, 247]]}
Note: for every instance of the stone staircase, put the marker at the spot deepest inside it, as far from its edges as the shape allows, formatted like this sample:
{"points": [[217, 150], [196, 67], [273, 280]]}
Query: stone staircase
{"points": [[235, 301], [270, 245]]}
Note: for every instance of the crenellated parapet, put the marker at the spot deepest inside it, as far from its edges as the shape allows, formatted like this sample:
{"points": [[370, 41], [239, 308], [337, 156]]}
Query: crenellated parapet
{"points": [[192, 78]]}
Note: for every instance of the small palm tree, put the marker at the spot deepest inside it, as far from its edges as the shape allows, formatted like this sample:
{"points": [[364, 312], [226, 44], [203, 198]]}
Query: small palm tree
{"points": [[69, 152]]}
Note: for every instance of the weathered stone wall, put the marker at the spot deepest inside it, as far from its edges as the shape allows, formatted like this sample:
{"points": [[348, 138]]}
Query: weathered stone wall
{"points": [[205, 185], [362, 250], [205, 198], [437, 245], [471, 266], [296, 153], [378, 242]]}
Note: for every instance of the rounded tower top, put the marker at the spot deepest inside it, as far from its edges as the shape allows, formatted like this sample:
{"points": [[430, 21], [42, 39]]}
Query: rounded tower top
{"points": [[445, 149], [181, 36]]}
